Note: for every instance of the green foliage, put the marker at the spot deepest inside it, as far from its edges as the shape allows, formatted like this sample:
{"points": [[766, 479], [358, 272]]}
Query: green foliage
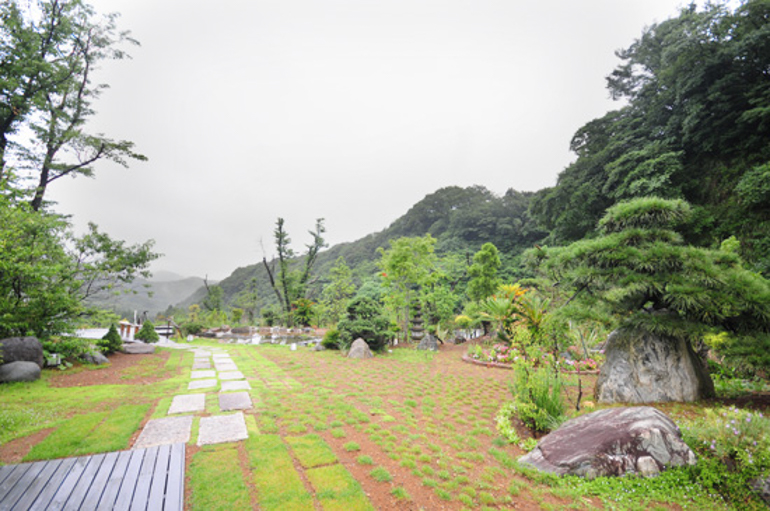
{"points": [[365, 320], [338, 291], [213, 300], [111, 342], [46, 273], [695, 127], [303, 311], [733, 448], [537, 395], [651, 281], [483, 273], [147, 333], [69, 348], [331, 339]]}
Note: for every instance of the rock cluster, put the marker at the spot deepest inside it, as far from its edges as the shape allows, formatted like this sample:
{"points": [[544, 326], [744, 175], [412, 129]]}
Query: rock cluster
{"points": [[21, 358], [612, 442]]}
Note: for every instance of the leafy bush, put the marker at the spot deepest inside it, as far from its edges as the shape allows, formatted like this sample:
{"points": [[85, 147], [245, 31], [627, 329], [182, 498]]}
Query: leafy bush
{"points": [[733, 447], [331, 339], [68, 348], [192, 327], [147, 333], [537, 395], [365, 320], [111, 342]]}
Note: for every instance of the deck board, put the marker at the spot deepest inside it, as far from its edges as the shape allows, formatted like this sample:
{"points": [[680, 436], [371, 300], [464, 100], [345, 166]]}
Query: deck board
{"points": [[151, 478]]}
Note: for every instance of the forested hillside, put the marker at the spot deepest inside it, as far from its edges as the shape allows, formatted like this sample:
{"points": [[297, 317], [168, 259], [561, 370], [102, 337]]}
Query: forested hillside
{"points": [[696, 126], [461, 219]]}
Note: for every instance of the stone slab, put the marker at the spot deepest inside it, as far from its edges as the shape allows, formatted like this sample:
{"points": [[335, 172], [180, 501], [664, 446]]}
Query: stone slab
{"points": [[234, 401], [225, 367], [201, 384], [231, 375], [230, 385], [203, 374], [222, 356], [203, 364], [219, 429], [168, 430], [187, 403], [138, 348]]}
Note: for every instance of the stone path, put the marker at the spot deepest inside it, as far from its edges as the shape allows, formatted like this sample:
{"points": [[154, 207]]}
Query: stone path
{"points": [[217, 428]]}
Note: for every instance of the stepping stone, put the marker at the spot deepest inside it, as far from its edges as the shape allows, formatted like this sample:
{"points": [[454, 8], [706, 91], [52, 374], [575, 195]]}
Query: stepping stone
{"points": [[203, 374], [168, 430], [218, 429], [187, 403], [203, 364], [225, 367], [231, 375], [228, 386], [201, 384], [224, 356], [234, 401]]}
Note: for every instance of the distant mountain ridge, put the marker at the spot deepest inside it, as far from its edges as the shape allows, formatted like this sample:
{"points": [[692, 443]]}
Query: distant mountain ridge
{"points": [[154, 295], [461, 219]]}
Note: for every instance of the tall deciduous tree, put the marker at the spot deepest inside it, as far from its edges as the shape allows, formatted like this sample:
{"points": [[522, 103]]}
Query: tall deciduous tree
{"points": [[339, 290], [483, 273], [48, 58], [291, 284], [406, 266]]}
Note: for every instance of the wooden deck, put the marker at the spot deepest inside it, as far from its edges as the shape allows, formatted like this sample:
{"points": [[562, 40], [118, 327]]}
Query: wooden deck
{"points": [[147, 479]]}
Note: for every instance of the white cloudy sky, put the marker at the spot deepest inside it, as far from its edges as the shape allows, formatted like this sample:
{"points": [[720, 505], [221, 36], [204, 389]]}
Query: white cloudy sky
{"points": [[350, 110]]}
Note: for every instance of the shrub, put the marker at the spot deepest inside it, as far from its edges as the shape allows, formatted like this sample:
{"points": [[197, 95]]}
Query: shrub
{"points": [[147, 333], [192, 327], [537, 395], [111, 342], [68, 348], [331, 339]]}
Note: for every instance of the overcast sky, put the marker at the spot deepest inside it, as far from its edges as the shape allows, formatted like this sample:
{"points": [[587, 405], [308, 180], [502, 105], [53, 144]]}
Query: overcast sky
{"points": [[350, 110]]}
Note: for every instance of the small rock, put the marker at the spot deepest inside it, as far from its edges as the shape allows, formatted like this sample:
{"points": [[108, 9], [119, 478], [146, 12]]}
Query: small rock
{"points": [[19, 371], [96, 358], [762, 487], [360, 350], [319, 347], [428, 343]]}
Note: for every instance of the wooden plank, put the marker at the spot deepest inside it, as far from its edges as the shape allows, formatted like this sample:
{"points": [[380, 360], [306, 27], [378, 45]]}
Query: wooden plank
{"points": [[175, 485], [94, 494], [53, 484], [80, 489], [142, 490], [69, 482], [38, 484], [8, 500], [159, 476], [112, 487], [5, 470], [14, 477], [128, 485]]}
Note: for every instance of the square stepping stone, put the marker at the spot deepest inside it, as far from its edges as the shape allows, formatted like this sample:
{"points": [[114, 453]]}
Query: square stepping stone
{"points": [[231, 375], [203, 364], [218, 429], [203, 374], [168, 430], [187, 403], [225, 367], [229, 386], [222, 356], [234, 401], [202, 384]]}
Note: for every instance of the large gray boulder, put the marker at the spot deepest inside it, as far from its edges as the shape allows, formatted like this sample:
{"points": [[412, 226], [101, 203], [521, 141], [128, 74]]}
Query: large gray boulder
{"points": [[359, 349], [642, 368], [19, 371], [612, 442], [137, 348], [21, 349]]}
